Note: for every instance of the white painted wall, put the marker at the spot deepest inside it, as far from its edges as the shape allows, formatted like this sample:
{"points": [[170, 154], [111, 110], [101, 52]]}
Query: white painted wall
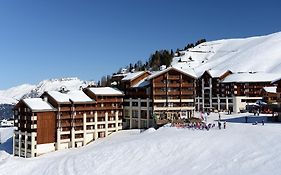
{"points": [[45, 148]]}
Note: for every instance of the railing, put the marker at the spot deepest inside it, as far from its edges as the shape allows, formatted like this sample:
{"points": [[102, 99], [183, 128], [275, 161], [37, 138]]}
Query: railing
{"points": [[173, 85], [159, 85], [187, 92], [117, 100], [173, 77], [159, 93], [174, 93], [187, 84]]}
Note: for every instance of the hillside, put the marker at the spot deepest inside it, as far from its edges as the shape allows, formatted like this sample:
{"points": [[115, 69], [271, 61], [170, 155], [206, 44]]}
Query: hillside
{"points": [[11, 96], [259, 54], [239, 149]]}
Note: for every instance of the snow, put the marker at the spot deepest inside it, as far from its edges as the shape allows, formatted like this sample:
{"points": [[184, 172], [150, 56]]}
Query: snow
{"points": [[241, 148], [59, 97], [38, 104], [216, 73], [132, 76], [250, 77], [270, 89], [259, 54], [74, 96], [6, 142], [106, 91], [13, 95], [79, 96]]}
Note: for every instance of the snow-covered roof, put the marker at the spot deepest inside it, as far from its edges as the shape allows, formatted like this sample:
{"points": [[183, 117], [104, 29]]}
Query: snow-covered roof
{"points": [[38, 104], [250, 77], [270, 89], [75, 96], [120, 75], [79, 96], [132, 76], [106, 91], [186, 71], [59, 97], [216, 73]]}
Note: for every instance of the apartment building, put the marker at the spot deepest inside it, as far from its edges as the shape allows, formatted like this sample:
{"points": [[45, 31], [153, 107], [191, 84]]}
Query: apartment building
{"points": [[211, 93], [159, 97], [66, 119], [173, 93], [137, 101]]}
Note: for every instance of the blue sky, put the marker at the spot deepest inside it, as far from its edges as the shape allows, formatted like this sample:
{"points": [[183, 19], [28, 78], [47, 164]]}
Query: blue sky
{"points": [[90, 38]]}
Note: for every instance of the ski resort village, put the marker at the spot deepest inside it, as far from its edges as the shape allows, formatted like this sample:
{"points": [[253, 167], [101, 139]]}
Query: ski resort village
{"points": [[216, 109]]}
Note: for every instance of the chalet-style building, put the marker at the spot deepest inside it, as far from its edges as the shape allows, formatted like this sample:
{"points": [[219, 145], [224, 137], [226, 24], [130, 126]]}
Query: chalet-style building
{"points": [[225, 90], [66, 119], [173, 93], [159, 97], [246, 87]]}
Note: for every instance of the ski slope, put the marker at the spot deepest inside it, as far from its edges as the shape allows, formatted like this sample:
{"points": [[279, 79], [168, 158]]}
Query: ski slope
{"points": [[239, 149], [255, 54]]}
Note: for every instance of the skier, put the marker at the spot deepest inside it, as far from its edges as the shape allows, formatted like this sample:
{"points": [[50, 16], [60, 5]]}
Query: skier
{"points": [[262, 122], [224, 124]]}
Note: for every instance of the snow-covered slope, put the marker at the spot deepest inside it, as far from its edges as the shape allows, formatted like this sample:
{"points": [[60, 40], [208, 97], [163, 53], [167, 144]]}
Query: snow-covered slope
{"points": [[12, 95], [239, 149], [259, 54]]}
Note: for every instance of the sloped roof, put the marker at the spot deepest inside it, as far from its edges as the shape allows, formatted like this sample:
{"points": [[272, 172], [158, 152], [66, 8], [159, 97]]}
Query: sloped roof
{"points": [[71, 96], [250, 77], [106, 91], [132, 76], [142, 83], [216, 73], [38, 104], [186, 71], [270, 89]]}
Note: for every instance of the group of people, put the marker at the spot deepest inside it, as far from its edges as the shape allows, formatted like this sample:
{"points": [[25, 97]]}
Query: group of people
{"points": [[201, 125]]}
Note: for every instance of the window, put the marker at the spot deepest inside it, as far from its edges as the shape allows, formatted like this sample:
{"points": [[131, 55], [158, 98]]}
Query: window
{"points": [[127, 113], [135, 113]]}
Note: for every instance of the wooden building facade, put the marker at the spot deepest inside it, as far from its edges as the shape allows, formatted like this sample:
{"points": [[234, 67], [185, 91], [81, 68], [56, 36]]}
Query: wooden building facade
{"points": [[72, 119]]}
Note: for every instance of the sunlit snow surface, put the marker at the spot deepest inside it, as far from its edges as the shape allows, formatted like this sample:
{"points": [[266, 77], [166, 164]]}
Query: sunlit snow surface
{"points": [[258, 54], [241, 148]]}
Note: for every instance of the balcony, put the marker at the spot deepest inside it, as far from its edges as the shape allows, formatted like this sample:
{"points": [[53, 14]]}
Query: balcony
{"points": [[174, 93], [84, 108], [173, 77], [117, 100], [159, 85], [173, 85], [187, 92], [187, 84], [159, 92]]}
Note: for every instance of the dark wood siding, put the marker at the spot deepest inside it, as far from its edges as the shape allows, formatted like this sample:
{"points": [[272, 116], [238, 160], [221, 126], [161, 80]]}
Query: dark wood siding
{"points": [[46, 127]]}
